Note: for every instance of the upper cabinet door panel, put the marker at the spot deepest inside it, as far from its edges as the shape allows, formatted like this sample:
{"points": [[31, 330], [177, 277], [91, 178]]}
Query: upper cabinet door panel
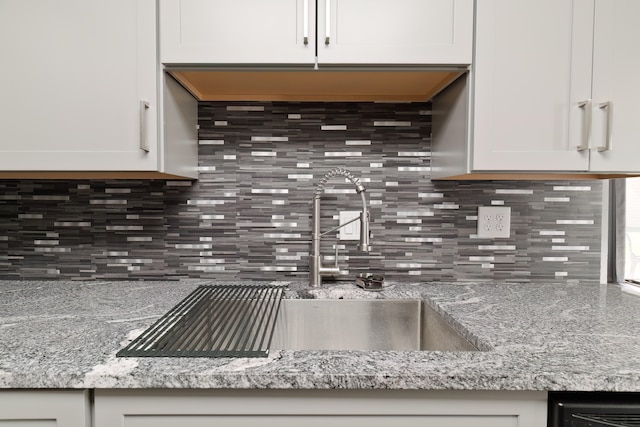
{"points": [[615, 144], [395, 32], [526, 55], [73, 77], [237, 32]]}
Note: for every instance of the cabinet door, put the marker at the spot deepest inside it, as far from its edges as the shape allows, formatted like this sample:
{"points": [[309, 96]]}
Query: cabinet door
{"points": [[615, 142], [318, 408], [237, 32], [395, 32], [532, 68], [44, 408], [73, 77]]}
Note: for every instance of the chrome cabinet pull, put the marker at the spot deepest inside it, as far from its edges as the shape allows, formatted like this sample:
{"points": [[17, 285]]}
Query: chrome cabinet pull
{"points": [[609, 107], [327, 30], [305, 23], [586, 124], [144, 106]]}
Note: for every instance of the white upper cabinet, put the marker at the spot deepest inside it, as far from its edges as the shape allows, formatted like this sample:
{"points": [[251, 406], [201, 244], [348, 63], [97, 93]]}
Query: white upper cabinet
{"points": [[395, 32], [615, 138], [284, 32], [78, 85], [237, 32], [80, 93], [532, 68], [553, 88]]}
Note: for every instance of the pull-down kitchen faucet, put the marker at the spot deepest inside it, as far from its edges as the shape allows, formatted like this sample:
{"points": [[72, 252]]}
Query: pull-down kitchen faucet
{"points": [[316, 270]]}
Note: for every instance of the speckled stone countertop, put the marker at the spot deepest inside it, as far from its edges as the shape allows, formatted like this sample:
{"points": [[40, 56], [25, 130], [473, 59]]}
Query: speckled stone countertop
{"points": [[537, 336]]}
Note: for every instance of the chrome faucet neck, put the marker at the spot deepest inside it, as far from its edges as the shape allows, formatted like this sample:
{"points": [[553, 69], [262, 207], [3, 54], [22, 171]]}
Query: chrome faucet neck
{"points": [[316, 269], [338, 172]]}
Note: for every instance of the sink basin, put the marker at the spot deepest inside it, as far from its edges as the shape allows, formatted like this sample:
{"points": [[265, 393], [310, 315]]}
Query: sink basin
{"points": [[329, 324]]}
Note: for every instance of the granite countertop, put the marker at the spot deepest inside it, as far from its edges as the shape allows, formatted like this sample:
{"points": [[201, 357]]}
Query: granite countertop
{"points": [[543, 336]]}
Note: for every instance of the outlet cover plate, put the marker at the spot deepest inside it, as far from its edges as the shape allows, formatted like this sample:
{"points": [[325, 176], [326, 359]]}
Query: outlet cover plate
{"points": [[494, 222], [351, 231]]}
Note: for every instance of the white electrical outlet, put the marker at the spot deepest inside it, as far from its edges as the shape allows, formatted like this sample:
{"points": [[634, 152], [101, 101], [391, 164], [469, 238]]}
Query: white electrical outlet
{"points": [[494, 221], [351, 231]]}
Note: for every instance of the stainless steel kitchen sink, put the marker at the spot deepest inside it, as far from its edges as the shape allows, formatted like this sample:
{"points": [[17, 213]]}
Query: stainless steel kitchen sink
{"points": [[324, 324], [250, 321]]}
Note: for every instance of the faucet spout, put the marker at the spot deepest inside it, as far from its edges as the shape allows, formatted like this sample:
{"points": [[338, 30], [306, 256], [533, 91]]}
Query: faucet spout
{"points": [[316, 269]]}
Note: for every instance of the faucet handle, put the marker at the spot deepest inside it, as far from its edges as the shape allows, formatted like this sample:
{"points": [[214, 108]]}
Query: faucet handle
{"points": [[336, 258]]}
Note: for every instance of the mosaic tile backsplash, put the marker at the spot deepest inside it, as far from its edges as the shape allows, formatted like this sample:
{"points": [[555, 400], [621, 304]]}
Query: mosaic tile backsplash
{"points": [[248, 216]]}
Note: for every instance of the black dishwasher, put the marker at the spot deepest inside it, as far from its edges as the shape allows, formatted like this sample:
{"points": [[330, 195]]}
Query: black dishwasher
{"points": [[593, 409]]}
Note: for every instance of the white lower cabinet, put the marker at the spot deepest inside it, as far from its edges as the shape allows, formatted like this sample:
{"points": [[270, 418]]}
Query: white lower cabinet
{"points": [[337, 408], [43, 408]]}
